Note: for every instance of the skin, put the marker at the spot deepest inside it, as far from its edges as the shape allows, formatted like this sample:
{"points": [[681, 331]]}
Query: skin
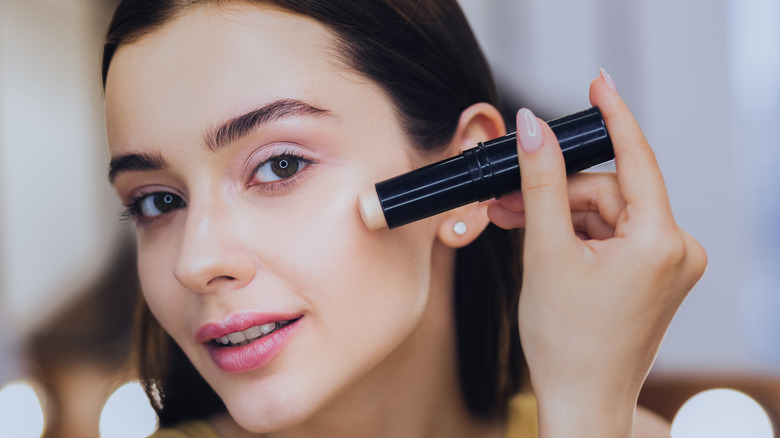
{"points": [[374, 351]]}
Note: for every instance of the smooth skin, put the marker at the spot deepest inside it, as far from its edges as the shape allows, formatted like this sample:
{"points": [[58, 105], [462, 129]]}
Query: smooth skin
{"points": [[374, 353]]}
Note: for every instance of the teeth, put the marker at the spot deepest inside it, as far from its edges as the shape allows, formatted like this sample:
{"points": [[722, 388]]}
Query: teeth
{"points": [[248, 335], [253, 332], [236, 338]]}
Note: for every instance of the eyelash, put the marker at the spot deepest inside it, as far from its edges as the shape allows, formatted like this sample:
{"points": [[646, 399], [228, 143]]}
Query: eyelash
{"points": [[133, 211], [281, 184]]}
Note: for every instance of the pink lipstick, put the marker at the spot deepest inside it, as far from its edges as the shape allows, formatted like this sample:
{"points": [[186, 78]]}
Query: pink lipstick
{"points": [[245, 342]]}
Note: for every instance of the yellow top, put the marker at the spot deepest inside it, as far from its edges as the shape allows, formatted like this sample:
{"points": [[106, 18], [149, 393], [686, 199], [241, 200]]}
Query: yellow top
{"points": [[521, 423], [188, 429], [522, 420]]}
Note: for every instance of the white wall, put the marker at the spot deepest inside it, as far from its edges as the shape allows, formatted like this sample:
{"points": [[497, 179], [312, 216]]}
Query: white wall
{"points": [[754, 67], [57, 213]]}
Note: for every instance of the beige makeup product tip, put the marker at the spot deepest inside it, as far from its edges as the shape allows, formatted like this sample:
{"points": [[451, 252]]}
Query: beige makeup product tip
{"points": [[371, 210]]}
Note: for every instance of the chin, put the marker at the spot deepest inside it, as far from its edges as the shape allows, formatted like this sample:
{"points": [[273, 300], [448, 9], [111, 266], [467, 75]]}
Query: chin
{"points": [[269, 421], [264, 410]]}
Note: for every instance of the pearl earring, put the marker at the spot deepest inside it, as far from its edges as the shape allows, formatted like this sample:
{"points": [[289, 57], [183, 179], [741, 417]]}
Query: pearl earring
{"points": [[459, 228]]}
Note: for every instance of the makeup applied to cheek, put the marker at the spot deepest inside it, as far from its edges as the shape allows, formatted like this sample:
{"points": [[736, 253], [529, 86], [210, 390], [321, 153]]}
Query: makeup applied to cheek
{"points": [[329, 226]]}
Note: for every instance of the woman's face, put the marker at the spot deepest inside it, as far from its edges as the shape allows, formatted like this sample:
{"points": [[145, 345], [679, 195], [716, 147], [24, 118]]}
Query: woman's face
{"points": [[241, 142]]}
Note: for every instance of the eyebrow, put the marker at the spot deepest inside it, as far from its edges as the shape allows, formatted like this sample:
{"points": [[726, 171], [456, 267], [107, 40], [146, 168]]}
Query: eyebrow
{"points": [[220, 137], [135, 162], [237, 127]]}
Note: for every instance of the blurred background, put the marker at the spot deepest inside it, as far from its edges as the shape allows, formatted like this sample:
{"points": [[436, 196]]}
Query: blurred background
{"points": [[701, 76]]}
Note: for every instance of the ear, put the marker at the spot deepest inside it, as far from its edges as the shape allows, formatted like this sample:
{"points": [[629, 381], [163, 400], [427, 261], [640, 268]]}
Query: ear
{"points": [[479, 122]]}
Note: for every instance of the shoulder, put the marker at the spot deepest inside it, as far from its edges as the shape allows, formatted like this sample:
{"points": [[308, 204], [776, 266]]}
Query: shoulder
{"points": [[187, 429], [648, 424]]}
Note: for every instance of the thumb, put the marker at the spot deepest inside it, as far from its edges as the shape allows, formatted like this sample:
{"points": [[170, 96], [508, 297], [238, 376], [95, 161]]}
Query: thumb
{"points": [[543, 182]]}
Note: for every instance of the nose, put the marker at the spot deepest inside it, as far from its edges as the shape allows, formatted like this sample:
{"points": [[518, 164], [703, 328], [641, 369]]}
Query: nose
{"points": [[213, 256]]}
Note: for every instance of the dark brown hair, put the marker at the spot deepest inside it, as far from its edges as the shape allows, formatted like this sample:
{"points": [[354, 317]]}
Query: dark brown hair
{"points": [[426, 58]]}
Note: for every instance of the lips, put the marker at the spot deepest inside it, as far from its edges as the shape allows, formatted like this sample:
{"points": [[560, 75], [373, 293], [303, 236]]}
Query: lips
{"points": [[246, 342], [239, 323]]}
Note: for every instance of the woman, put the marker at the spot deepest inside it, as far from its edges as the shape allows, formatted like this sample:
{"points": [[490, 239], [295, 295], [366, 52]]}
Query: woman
{"points": [[241, 133]]}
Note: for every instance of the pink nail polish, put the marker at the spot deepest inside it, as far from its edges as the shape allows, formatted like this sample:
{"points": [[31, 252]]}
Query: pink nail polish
{"points": [[608, 79], [528, 130]]}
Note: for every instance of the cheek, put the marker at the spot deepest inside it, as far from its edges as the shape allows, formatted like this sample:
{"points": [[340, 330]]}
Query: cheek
{"points": [[366, 289], [158, 285], [364, 292], [347, 272]]}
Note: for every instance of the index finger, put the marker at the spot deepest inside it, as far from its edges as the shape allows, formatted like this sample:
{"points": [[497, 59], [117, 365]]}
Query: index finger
{"points": [[639, 176]]}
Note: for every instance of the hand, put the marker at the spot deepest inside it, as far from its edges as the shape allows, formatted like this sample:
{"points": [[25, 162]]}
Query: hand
{"points": [[605, 269]]}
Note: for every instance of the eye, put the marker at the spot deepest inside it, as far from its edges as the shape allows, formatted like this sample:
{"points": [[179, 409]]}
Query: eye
{"points": [[155, 204], [280, 167]]}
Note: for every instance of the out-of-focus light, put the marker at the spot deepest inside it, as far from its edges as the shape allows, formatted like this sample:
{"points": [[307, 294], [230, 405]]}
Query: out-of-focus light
{"points": [[21, 413], [721, 413], [127, 414]]}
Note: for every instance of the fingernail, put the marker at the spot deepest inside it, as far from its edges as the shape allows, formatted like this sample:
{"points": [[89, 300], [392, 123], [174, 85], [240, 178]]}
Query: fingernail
{"points": [[528, 130], [608, 79]]}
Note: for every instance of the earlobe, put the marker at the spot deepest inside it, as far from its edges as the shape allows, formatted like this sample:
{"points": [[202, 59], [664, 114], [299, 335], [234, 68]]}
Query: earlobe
{"points": [[458, 231], [479, 122]]}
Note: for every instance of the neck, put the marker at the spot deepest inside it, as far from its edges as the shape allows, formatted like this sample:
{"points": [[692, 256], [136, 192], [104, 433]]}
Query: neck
{"points": [[413, 393]]}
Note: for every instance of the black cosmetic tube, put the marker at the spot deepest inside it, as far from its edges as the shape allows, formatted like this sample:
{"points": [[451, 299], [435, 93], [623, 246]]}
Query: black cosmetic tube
{"points": [[490, 170]]}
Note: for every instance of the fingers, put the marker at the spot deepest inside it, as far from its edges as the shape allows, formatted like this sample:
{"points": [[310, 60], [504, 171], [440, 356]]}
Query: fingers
{"points": [[592, 225], [586, 224], [504, 217], [543, 181], [545, 204], [639, 177], [587, 191], [598, 192]]}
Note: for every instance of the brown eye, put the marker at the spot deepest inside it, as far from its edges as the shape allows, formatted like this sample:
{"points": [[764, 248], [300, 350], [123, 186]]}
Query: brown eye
{"points": [[280, 167], [284, 167], [159, 203]]}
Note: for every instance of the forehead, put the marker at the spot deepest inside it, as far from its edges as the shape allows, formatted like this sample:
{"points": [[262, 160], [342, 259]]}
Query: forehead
{"points": [[213, 61]]}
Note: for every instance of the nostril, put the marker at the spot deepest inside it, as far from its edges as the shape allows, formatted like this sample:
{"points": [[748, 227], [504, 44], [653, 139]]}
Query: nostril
{"points": [[221, 278]]}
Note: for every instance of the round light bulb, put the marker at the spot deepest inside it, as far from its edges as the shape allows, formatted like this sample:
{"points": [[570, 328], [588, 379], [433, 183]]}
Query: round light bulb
{"points": [[127, 413], [21, 412], [722, 413]]}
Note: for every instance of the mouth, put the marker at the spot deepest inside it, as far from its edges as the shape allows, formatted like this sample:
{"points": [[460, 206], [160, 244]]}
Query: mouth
{"points": [[248, 341], [252, 334]]}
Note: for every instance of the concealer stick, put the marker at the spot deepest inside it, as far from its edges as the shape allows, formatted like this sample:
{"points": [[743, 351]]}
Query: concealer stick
{"points": [[489, 170]]}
